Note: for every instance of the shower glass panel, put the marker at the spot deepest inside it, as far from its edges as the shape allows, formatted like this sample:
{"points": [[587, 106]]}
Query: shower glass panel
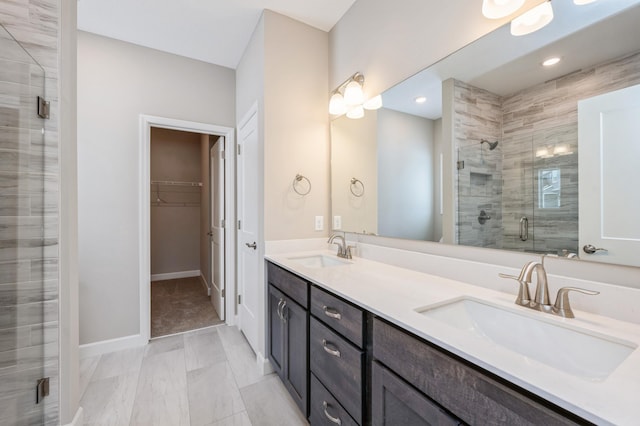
{"points": [[555, 200], [28, 238]]}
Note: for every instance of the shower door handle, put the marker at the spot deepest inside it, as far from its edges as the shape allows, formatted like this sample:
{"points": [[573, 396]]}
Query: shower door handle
{"points": [[524, 228]]}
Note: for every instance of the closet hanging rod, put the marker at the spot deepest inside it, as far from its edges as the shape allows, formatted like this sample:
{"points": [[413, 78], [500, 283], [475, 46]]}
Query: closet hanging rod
{"points": [[174, 183]]}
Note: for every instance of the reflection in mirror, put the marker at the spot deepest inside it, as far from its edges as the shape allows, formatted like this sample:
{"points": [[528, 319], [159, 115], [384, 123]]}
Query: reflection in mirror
{"points": [[508, 126]]}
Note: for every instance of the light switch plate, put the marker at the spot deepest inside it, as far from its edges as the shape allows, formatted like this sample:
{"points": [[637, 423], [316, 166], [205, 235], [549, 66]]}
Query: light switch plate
{"points": [[337, 223], [319, 223]]}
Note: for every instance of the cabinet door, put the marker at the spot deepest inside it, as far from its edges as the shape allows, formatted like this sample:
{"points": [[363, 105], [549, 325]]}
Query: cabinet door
{"points": [[395, 403], [296, 371], [276, 331]]}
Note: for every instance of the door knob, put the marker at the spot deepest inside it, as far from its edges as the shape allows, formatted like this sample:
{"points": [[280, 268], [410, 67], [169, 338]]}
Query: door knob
{"points": [[252, 245], [591, 249]]}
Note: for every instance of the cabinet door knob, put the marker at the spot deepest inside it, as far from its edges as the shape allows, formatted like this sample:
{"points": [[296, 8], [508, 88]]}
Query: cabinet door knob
{"points": [[328, 350], [331, 313], [332, 419]]}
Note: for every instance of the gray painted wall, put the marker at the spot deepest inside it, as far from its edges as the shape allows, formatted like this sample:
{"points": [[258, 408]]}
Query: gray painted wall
{"points": [[405, 176], [117, 82]]}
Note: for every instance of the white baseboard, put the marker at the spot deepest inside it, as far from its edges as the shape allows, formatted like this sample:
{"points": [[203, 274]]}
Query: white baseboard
{"points": [[112, 345], [205, 284], [78, 419], [264, 366], [175, 275]]}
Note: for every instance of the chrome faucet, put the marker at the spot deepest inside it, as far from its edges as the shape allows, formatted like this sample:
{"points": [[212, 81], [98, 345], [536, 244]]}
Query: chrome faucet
{"points": [[541, 301], [344, 250]]}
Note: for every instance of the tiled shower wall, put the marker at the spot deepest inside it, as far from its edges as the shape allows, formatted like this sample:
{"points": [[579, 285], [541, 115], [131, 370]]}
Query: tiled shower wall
{"points": [[29, 223], [478, 115], [540, 117]]}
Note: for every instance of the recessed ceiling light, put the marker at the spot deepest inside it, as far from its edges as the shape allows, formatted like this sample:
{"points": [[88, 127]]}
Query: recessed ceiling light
{"points": [[421, 99], [581, 2], [551, 61]]}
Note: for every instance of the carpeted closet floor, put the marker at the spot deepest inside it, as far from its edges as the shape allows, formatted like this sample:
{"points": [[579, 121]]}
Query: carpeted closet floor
{"points": [[180, 305]]}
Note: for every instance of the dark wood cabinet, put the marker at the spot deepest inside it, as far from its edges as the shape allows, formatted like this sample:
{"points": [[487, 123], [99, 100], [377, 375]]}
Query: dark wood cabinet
{"points": [[342, 365], [288, 340], [464, 390], [396, 403]]}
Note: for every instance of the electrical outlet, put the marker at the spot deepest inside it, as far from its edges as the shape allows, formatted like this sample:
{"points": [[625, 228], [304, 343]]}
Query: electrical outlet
{"points": [[337, 223], [319, 223]]}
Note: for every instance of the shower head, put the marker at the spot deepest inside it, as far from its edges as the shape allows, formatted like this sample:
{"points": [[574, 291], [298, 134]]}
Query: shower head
{"points": [[492, 145]]}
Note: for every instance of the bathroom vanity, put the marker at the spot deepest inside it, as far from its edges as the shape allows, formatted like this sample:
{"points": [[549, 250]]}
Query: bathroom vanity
{"points": [[374, 357]]}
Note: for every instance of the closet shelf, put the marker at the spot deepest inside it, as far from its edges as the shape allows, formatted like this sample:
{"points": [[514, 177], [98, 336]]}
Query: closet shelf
{"points": [[175, 183]]}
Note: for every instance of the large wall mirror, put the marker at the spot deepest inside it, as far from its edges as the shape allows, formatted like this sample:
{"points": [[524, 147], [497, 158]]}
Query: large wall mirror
{"points": [[487, 147]]}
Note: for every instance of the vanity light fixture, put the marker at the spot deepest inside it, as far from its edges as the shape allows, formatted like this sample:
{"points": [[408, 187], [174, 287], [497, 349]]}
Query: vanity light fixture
{"points": [[496, 9], [551, 61], [349, 98], [532, 20], [421, 99]]}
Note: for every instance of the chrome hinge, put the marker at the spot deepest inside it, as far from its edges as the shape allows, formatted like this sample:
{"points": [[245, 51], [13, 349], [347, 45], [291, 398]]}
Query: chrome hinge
{"points": [[460, 165], [223, 223], [43, 107], [222, 155], [239, 224], [223, 292], [239, 299], [239, 150]]}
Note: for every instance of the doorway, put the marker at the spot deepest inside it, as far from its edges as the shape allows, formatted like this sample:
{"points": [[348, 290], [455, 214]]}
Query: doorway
{"points": [[184, 196], [181, 235]]}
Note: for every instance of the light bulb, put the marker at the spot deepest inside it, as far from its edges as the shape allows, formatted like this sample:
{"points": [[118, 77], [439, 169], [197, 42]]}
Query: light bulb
{"points": [[353, 94], [337, 105], [356, 112], [496, 9], [421, 99], [532, 20], [373, 103]]}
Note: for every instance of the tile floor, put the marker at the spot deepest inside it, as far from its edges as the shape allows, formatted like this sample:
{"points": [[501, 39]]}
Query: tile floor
{"points": [[204, 377], [180, 305]]}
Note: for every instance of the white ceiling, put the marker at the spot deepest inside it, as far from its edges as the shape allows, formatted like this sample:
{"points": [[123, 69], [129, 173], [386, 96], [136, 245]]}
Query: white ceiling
{"points": [[504, 64], [214, 31]]}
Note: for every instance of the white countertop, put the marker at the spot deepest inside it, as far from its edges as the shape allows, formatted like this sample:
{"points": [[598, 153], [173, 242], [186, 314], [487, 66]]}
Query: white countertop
{"points": [[395, 293]]}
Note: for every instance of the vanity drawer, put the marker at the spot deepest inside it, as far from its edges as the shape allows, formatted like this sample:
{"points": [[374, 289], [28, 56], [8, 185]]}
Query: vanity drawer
{"points": [[292, 285], [325, 409], [468, 393], [342, 316], [339, 366]]}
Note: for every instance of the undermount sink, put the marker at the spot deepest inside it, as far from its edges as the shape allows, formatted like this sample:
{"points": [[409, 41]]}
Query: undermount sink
{"points": [[319, 261], [575, 351]]}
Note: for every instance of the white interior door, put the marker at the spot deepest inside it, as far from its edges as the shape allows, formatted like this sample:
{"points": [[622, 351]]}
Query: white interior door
{"points": [[609, 149], [217, 226], [249, 288]]}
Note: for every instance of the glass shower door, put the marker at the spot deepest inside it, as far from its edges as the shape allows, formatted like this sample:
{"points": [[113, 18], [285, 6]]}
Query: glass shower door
{"points": [[28, 245]]}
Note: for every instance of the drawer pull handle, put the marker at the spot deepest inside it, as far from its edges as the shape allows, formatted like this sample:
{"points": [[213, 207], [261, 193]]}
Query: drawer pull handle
{"points": [[335, 420], [328, 350], [331, 313]]}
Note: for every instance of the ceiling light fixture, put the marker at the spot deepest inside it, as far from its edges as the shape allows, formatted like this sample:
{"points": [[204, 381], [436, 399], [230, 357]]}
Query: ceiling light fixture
{"points": [[349, 98], [532, 20], [551, 61], [421, 99], [582, 2], [496, 9]]}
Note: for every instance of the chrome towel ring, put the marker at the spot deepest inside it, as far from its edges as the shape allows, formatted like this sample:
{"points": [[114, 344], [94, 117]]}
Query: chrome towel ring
{"points": [[296, 181], [354, 185]]}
